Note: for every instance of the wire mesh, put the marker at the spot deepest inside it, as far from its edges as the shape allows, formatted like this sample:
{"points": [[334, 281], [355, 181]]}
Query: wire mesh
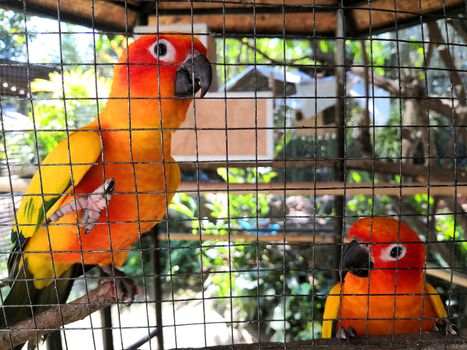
{"points": [[319, 113]]}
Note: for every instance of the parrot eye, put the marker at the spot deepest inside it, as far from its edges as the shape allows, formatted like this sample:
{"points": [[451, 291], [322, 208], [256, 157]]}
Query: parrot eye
{"points": [[162, 50], [393, 252]]}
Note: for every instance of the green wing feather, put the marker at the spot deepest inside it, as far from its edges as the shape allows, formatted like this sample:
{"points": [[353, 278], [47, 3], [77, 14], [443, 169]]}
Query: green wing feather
{"points": [[74, 155]]}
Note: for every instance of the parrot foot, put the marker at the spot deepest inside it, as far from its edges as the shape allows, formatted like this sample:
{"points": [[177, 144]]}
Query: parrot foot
{"points": [[126, 287], [346, 334], [92, 206], [446, 327]]}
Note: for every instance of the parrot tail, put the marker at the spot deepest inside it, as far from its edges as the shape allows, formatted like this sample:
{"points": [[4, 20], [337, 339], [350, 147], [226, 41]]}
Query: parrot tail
{"points": [[25, 300]]}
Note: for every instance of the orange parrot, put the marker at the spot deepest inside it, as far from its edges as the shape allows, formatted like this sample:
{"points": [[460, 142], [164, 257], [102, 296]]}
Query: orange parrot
{"points": [[384, 290], [107, 183]]}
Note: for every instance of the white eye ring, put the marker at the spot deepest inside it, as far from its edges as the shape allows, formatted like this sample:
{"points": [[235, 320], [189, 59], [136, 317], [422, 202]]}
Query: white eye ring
{"points": [[393, 252], [162, 50]]}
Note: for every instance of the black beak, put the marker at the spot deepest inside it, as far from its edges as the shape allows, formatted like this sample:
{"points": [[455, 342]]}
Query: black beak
{"points": [[194, 74], [356, 259]]}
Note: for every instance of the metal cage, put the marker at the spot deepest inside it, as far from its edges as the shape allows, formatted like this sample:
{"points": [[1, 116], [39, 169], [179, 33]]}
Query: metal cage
{"points": [[320, 112]]}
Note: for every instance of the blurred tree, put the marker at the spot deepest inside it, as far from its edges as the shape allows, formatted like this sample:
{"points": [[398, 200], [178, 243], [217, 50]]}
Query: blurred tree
{"points": [[11, 35]]}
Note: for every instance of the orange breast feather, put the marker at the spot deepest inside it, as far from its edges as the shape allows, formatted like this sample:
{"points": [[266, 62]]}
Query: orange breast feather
{"points": [[379, 310]]}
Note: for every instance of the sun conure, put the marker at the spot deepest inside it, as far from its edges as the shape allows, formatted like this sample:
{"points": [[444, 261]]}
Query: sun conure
{"points": [[385, 290], [108, 182]]}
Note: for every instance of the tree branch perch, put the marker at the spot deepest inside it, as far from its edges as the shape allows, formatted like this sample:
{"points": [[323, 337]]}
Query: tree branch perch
{"points": [[51, 320]]}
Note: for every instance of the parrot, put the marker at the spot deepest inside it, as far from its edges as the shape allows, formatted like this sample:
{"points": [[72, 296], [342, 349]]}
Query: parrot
{"points": [[108, 182], [385, 290]]}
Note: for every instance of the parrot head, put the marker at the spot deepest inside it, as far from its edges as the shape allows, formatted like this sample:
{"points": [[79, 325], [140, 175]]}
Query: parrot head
{"points": [[164, 65], [385, 244], [166, 70]]}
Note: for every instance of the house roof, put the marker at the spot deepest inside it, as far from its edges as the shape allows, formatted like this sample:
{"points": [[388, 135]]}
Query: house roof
{"points": [[274, 17], [250, 78], [15, 76]]}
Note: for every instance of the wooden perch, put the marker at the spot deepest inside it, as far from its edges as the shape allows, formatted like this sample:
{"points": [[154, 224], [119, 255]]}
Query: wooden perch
{"points": [[424, 341], [58, 316]]}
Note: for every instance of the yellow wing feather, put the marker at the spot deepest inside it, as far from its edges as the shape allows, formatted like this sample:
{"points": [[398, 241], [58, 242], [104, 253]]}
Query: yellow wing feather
{"points": [[173, 180], [436, 301], [54, 179], [331, 311]]}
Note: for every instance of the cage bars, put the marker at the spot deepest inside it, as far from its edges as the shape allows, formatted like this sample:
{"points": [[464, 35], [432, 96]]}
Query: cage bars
{"points": [[340, 188]]}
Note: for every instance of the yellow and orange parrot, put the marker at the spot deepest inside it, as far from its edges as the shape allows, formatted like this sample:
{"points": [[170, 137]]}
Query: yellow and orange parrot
{"points": [[385, 289], [110, 181]]}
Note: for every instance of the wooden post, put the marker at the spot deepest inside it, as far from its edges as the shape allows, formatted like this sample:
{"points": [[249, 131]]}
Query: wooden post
{"points": [[339, 171], [107, 336], [54, 341], [157, 290], [106, 322]]}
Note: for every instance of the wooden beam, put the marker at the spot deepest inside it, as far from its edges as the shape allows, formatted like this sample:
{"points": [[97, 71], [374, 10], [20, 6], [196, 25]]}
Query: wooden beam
{"points": [[296, 188], [384, 14], [289, 238], [378, 166], [105, 15], [18, 184], [184, 5], [302, 17], [447, 275], [236, 17], [411, 341], [328, 188], [261, 23]]}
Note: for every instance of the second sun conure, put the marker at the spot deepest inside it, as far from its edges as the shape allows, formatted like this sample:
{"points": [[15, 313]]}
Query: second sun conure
{"points": [[385, 290]]}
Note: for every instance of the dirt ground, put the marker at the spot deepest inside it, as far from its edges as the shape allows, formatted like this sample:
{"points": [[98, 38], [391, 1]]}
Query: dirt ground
{"points": [[131, 324]]}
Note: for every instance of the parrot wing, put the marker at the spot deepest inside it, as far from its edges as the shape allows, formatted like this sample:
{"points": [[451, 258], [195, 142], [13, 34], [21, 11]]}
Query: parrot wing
{"points": [[331, 311], [173, 181], [436, 301], [59, 173]]}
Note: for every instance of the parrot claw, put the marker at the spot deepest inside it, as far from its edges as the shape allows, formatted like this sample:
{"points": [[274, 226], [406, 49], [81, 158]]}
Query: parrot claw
{"points": [[446, 327], [126, 287], [346, 334], [91, 206]]}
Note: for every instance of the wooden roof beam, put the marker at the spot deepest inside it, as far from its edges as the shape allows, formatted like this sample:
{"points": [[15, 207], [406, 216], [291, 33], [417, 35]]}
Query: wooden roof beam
{"points": [[102, 15], [295, 23]]}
